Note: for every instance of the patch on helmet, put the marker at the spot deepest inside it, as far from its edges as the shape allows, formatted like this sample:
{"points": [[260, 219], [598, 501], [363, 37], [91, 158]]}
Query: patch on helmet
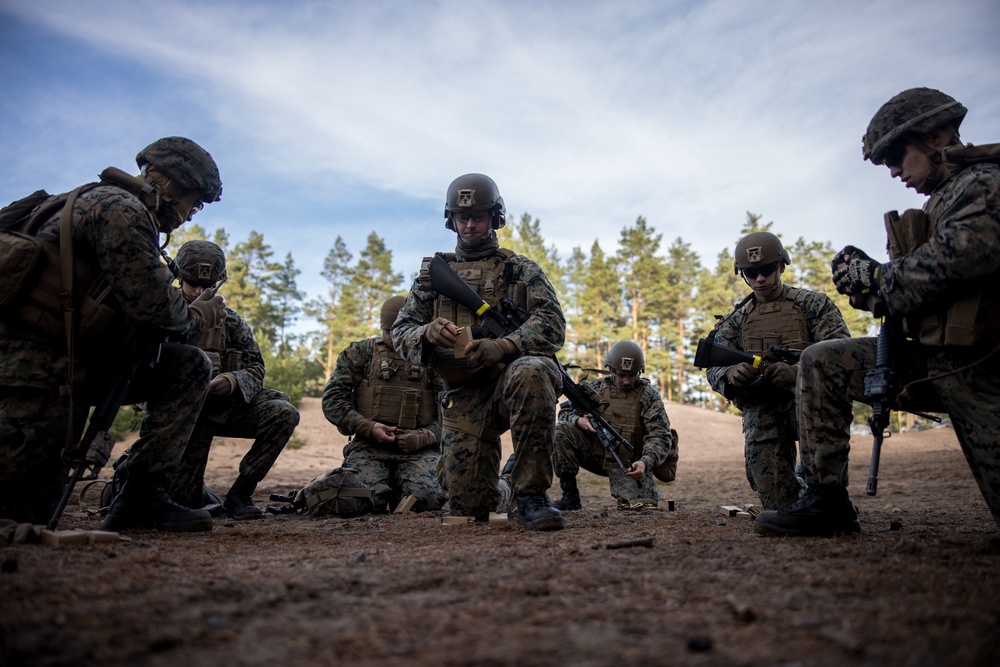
{"points": [[754, 254], [204, 270], [467, 197], [627, 363]]}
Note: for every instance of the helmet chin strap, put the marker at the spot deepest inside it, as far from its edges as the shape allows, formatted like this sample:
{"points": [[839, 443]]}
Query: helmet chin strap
{"points": [[939, 170]]}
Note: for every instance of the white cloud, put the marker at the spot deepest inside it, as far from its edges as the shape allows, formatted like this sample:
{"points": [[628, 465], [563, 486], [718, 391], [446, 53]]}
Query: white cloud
{"points": [[587, 114]]}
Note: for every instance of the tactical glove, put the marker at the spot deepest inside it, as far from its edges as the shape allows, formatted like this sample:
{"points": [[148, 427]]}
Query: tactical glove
{"points": [[486, 352], [781, 375], [223, 385], [208, 312], [856, 276], [414, 440], [741, 374], [435, 334]]}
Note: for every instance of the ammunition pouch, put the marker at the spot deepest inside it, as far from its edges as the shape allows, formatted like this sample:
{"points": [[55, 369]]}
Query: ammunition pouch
{"points": [[965, 321], [490, 279], [395, 392]]}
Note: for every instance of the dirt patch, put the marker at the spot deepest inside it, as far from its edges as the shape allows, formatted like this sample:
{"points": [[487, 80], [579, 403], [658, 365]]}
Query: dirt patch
{"points": [[918, 587]]}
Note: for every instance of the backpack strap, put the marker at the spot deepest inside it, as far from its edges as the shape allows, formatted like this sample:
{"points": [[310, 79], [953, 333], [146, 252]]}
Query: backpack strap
{"points": [[69, 312]]}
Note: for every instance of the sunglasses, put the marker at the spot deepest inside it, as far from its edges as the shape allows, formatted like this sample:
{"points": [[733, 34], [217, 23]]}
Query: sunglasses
{"points": [[478, 217], [204, 284], [894, 155], [765, 271]]}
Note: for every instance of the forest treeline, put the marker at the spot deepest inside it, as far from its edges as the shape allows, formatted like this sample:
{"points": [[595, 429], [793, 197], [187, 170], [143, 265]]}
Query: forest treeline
{"points": [[661, 295]]}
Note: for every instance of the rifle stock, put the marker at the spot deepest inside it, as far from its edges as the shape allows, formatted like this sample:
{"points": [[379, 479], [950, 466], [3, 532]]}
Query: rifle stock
{"points": [[445, 281], [710, 353]]}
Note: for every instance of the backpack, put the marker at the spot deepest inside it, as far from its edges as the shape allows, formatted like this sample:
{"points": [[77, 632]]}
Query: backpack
{"points": [[339, 492], [21, 254]]}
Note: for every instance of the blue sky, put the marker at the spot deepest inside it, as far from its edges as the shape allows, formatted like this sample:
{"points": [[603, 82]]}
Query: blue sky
{"points": [[343, 118]]}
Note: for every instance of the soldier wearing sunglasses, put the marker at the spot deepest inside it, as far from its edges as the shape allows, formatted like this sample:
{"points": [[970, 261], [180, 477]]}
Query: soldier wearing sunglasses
{"points": [[772, 314]]}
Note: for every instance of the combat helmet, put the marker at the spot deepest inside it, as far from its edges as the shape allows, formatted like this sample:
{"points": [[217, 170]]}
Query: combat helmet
{"points": [[390, 309], [625, 356], [474, 192], [201, 263], [916, 110], [759, 249], [186, 163]]}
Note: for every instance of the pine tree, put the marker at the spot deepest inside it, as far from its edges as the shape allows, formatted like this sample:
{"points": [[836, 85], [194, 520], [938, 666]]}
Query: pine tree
{"points": [[250, 286], [600, 303], [337, 271], [372, 282], [642, 271], [286, 299]]}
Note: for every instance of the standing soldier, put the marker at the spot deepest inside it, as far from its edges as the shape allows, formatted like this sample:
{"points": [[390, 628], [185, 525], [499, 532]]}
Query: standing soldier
{"points": [[941, 287], [772, 314], [390, 407], [48, 384], [238, 404], [635, 410], [508, 383]]}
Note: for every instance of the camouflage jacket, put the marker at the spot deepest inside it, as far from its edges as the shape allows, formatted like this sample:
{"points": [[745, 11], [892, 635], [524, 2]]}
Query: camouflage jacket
{"points": [[541, 335], [115, 232], [249, 376], [822, 316], [657, 442], [963, 254], [350, 373]]}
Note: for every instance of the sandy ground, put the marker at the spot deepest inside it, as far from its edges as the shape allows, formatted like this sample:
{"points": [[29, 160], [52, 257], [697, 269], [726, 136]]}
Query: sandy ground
{"points": [[919, 586]]}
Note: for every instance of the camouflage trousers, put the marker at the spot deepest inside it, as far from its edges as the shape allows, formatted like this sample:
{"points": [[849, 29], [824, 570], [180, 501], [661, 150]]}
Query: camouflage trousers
{"points": [[474, 416], [392, 474], [576, 448], [831, 376], [33, 427], [770, 436], [269, 418]]}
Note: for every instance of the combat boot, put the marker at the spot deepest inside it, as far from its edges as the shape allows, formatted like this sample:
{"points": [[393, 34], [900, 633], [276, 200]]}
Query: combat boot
{"points": [[535, 512], [211, 501], [825, 510], [508, 467], [571, 494], [143, 502], [239, 500]]}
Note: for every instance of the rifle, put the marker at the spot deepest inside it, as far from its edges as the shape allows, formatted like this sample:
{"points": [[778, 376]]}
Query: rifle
{"points": [[880, 381], [291, 508], [92, 452], [498, 324], [710, 353], [880, 390]]}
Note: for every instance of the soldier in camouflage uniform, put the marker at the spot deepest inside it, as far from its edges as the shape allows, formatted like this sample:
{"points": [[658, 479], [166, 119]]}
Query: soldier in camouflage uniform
{"points": [[238, 403], [772, 314], [390, 406], [636, 410], [115, 229], [508, 383], [941, 287]]}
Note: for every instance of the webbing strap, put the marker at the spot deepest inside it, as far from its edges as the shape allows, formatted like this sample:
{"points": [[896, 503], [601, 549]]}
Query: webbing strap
{"points": [[69, 313], [463, 425]]}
